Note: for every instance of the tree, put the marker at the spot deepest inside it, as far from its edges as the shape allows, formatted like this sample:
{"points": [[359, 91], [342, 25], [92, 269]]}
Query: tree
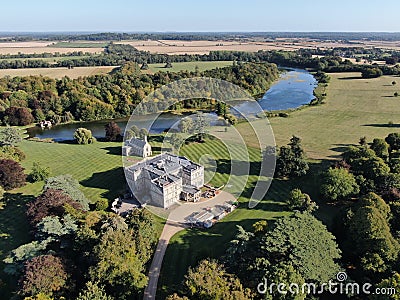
{"points": [[393, 139], [304, 242], [11, 174], [381, 148], [221, 108], [144, 66], [143, 133], [391, 282], [200, 125], [11, 152], [142, 222], [363, 141], [209, 280], [338, 184], [300, 201], [117, 264], [186, 125], [39, 173], [291, 160], [393, 83], [18, 116], [176, 140], [93, 291], [70, 186], [370, 237], [9, 137], [50, 203], [43, 274], [168, 65], [84, 136], [113, 132]]}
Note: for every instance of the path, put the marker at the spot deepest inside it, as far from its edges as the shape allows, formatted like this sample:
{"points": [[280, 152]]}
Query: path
{"points": [[170, 228], [174, 224]]}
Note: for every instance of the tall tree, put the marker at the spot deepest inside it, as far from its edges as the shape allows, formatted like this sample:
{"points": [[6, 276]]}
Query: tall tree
{"points": [[9, 136], [338, 184]]}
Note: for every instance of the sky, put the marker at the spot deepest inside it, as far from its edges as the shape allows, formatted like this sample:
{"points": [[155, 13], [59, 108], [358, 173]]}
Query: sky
{"points": [[200, 15]]}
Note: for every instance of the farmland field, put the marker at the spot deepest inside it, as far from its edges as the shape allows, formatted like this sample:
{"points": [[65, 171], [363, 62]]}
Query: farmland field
{"points": [[188, 66], [58, 72], [79, 44]]}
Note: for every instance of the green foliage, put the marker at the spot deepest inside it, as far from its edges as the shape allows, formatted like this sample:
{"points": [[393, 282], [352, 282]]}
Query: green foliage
{"points": [[209, 280], [93, 291], [39, 173], [370, 237], [9, 136], [53, 228], [393, 139], [84, 136], [101, 204], [142, 222], [371, 73], [381, 148], [338, 184], [304, 242], [70, 186], [11, 152], [391, 282], [43, 274], [186, 125], [290, 161], [15, 260], [300, 201], [117, 264], [175, 140]]}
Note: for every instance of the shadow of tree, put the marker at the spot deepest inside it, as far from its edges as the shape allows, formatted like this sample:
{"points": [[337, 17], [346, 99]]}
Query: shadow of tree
{"points": [[116, 150], [383, 125], [112, 180]]}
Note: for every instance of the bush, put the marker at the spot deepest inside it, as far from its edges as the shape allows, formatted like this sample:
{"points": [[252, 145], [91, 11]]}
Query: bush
{"points": [[84, 136], [101, 204], [11, 152], [18, 116], [39, 173], [11, 174]]}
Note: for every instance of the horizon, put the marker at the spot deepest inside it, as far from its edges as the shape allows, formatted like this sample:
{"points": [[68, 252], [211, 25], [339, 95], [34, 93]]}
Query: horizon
{"points": [[207, 16]]}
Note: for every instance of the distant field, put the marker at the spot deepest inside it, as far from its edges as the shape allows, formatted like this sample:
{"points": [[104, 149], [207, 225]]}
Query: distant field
{"points": [[79, 44], [47, 47], [204, 47], [48, 59], [354, 108], [188, 66], [58, 72]]}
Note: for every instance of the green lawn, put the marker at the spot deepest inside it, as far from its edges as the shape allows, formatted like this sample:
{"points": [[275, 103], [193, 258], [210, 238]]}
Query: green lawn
{"points": [[188, 66]]}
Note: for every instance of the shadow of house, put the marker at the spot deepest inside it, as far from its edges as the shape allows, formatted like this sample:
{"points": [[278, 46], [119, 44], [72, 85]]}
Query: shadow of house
{"points": [[112, 180], [116, 150]]}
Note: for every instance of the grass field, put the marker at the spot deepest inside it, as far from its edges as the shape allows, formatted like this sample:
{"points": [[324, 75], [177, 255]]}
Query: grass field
{"points": [[188, 66], [58, 72], [354, 107]]}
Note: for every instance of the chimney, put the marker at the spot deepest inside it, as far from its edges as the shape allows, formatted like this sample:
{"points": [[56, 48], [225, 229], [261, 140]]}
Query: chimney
{"points": [[145, 138]]}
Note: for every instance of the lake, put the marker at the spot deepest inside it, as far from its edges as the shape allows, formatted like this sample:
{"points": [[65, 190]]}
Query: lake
{"points": [[293, 89]]}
